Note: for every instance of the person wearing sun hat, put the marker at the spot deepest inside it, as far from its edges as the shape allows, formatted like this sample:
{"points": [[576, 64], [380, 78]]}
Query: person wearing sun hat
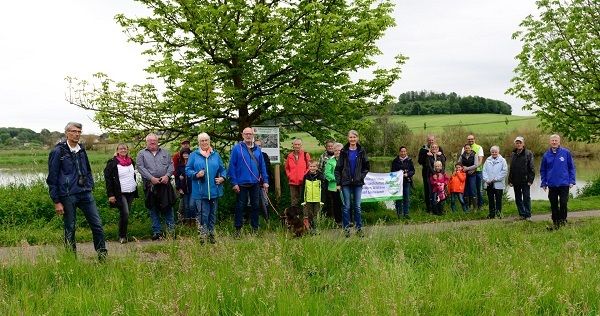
{"points": [[520, 177]]}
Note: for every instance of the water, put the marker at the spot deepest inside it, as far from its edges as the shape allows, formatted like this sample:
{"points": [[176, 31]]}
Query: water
{"points": [[586, 169], [17, 177]]}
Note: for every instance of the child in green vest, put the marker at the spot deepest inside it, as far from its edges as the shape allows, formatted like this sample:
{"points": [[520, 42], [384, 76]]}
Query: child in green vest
{"points": [[313, 181]]}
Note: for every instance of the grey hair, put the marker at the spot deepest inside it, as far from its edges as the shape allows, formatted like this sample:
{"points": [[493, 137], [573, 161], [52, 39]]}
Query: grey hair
{"points": [[203, 136], [496, 148], [297, 139], [151, 135], [353, 132], [555, 136], [75, 124], [338, 146]]}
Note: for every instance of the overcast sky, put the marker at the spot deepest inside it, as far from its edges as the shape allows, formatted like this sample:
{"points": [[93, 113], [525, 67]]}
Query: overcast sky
{"points": [[463, 46]]}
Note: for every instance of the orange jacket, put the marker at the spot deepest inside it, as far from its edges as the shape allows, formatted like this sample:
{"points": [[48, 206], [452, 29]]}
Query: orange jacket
{"points": [[457, 182], [296, 169]]}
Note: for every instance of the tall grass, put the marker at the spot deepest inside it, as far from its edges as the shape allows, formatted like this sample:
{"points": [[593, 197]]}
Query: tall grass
{"points": [[495, 268]]}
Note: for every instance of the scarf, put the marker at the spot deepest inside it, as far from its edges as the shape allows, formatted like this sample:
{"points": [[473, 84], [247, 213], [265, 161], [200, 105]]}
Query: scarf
{"points": [[205, 153], [124, 161]]}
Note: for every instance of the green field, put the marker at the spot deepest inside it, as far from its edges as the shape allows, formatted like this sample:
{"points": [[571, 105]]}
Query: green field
{"points": [[476, 123], [494, 268]]}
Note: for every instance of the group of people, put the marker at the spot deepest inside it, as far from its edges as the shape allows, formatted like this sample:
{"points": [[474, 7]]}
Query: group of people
{"points": [[334, 181]]}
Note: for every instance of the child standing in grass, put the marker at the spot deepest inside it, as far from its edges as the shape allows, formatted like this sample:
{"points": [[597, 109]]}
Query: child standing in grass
{"points": [[438, 181], [456, 187], [313, 181]]}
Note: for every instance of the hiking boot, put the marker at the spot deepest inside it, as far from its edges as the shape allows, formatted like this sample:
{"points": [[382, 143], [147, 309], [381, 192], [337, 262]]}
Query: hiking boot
{"points": [[102, 254], [156, 236], [360, 233], [122, 240]]}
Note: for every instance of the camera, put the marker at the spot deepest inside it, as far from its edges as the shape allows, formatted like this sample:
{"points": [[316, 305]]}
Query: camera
{"points": [[81, 181]]}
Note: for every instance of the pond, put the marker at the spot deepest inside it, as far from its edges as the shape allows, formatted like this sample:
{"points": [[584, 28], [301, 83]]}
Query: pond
{"points": [[587, 170], [14, 176]]}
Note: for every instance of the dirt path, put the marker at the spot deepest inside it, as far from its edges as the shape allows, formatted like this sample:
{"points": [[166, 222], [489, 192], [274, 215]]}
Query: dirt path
{"points": [[30, 253]]}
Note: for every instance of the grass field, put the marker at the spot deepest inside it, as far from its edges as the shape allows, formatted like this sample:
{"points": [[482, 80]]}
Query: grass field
{"points": [[495, 268], [475, 123]]}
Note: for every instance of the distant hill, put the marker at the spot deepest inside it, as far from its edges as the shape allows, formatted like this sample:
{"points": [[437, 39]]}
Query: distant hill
{"points": [[429, 102]]}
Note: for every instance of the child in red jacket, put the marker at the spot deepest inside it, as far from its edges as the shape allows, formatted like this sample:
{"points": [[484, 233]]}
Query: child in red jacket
{"points": [[456, 187], [438, 181]]}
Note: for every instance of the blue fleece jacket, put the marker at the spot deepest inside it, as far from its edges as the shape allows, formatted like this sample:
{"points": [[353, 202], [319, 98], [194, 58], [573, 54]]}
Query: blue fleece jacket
{"points": [[205, 187], [557, 169], [243, 169]]}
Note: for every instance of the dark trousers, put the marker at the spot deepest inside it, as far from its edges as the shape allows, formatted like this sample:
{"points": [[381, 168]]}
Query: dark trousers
{"points": [[558, 196], [124, 206], [336, 205], [495, 201], [295, 194], [84, 201], [523, 199], [247, 192], [426, 190]]}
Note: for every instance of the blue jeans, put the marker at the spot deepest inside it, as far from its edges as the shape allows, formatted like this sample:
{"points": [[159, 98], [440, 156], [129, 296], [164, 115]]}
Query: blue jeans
{"points": [[523, 199], [478, 183], [404, 204], [457, 196], [355, 191], [189, 208], [155, 217], [207, 214], [84, 201], [246, 192]]}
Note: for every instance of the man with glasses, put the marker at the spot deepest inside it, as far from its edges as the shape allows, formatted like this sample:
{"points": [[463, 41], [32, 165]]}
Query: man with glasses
{"points": [[70, 183], [248, 174], [478, 150]]}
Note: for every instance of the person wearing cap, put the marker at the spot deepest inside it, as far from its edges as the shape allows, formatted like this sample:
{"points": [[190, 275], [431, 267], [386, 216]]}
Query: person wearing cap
{"points": [[520, 177], [177, 161], [558, 176]]}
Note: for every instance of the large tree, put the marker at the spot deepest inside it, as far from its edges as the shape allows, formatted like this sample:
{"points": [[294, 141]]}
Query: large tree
{"points": [[224, 65], [558, 74]]}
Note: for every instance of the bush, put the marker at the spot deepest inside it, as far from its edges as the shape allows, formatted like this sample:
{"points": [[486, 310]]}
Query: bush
{"points": [[590, 189]]}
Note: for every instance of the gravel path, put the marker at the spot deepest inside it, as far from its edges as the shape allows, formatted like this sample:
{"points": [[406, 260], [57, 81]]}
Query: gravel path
{"points": [[30, 253]]}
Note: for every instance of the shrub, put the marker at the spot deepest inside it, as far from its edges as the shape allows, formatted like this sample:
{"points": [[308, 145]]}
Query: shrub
{"points": [[590, 189]]}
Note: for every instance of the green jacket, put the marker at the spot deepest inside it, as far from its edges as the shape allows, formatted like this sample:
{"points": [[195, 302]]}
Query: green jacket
{"points": [[330, 174]]}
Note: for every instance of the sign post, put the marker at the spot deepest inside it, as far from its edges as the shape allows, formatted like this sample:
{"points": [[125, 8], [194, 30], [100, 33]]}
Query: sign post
{"points": [[270, 145]]}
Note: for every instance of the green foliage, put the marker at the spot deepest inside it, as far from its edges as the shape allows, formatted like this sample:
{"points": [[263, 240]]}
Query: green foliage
{"points": [[591, 189], [229, 65], [558, 69], [429, 102], [383, 137], [493, 268]]}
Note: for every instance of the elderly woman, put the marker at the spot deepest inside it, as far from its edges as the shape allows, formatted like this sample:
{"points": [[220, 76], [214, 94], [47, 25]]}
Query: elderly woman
{"points": [[350, 172], [335, 209], [205, 168], [494, 173], [121, 187]]}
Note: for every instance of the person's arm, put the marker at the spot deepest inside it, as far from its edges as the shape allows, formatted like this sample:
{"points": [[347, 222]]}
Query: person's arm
{"points": [[485, 174], [141, 166], [339, 167], [411, 169], [571, 166], [365, 165], [544, 180], [530, 169], [53, 174], [222, 172], [170, 167], [110, 189], [233, 161], [329, 171], [263, 169], [503, 171]]}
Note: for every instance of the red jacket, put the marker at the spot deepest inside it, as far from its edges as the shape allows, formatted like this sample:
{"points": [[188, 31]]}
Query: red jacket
{"points": [[457, 182], [296, 169]]}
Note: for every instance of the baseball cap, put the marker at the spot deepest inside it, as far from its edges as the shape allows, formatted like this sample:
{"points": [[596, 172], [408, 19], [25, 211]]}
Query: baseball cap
{"points": [[520, 139], [185, 141]]}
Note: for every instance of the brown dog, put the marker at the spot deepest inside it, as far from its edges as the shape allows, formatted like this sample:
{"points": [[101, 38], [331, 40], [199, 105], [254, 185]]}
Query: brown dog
{"points": [[293, 219]]}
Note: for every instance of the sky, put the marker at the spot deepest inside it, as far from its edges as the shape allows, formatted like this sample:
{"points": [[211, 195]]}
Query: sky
{"points": [[461, 46]]}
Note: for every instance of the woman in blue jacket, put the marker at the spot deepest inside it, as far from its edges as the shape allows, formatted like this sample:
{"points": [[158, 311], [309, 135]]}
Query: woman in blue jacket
{"points": [[205, 168]]}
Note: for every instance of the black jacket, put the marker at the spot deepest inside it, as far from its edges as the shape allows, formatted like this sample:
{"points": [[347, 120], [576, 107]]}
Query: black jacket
{"points": [[423, 159], [407, 166], [521, 169], [160, 196], [111, 176], [342, 169]]}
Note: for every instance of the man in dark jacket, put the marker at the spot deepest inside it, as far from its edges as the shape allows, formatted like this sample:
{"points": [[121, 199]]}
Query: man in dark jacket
{"points": [[70, 183], [423, 160], [403, 163], [520, 177]]}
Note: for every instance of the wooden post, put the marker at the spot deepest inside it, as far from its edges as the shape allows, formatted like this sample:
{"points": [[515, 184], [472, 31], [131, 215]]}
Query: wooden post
{"points": [[277, 182]]}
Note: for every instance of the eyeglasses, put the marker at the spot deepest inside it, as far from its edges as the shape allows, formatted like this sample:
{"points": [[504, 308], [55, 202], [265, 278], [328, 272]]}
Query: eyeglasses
{"points": [[74, 131]]}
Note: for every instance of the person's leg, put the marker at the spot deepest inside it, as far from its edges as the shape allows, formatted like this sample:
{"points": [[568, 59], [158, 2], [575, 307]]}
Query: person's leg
{"points": [[553, 197], [453, 198], [336, 202], [169, 220], [526, 190], [463, 205], [426, 192], [295, 192], [69, 217], [155, 219], [240, 204], [204, 211], [491, 204], [88, 206], [406, 199], [398, 206], [518, 189], [563, 196], [346, 192], [478, 183], [124, 206], [357, 194], [498, 199], [212, 216], [254, 196]]}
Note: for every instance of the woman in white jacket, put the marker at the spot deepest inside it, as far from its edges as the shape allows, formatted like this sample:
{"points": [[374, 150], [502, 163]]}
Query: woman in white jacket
{"points": [[494, 174]]}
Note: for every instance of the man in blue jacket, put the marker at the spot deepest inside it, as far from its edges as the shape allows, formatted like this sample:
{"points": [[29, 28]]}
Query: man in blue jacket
{"points": [[70, 183], [558, 175], [248, 175]]}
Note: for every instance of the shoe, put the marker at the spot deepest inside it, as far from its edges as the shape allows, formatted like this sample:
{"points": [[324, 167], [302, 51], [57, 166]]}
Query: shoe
{"points": [[238, 233], [360, 233], [553, 227], [102, 254], [211, 239], [122, 240], [156, 236], [347, 233], [527, 219], [351, 224]]}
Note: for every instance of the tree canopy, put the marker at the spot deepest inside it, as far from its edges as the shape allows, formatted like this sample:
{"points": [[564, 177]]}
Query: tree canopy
{"points": [[558, 74], [221, 66], [429, 102]]}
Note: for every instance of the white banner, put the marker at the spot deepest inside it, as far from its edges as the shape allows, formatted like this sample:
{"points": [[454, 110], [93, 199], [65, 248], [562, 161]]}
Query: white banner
{"points": [[383, 186]]}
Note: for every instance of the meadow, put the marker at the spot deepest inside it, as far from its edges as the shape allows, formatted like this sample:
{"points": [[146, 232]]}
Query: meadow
{"points": [[504, 268]]}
